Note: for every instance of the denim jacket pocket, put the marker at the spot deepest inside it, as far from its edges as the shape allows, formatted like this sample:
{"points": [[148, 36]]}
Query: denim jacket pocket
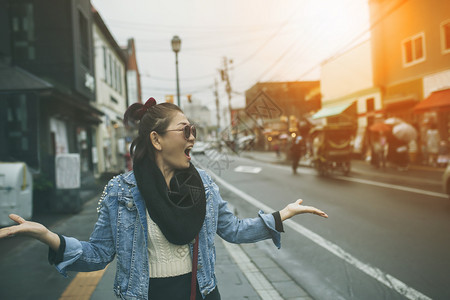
{"points": [[127, 213]]}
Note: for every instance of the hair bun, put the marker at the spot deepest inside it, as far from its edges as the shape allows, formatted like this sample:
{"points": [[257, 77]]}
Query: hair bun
{"points": [[150, 102], [136, 111]]}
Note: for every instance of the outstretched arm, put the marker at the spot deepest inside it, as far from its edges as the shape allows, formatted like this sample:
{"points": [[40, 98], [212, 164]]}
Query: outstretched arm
{"points": [[31, 229], [297, 208]]}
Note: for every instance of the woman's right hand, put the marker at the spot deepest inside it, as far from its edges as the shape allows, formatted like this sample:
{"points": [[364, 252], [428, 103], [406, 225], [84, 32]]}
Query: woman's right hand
{"points": [[30, 229]]}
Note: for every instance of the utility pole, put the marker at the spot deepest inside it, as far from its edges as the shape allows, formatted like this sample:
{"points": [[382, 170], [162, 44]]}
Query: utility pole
{"points": [[216, 93], [225, 77]]}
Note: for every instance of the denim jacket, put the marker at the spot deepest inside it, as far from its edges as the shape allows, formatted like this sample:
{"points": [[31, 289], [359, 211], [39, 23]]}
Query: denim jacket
{"points": [[121, 230]]}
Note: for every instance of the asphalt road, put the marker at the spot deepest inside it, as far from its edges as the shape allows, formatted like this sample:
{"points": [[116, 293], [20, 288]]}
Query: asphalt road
{"points": [[386, 238]]}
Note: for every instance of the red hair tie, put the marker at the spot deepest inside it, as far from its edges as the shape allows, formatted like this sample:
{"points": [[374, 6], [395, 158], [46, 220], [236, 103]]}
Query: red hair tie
{"points": [[150, 102], [136, 111]]}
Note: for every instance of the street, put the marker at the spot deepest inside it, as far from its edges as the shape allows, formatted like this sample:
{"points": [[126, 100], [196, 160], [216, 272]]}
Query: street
{"points": [[395, 230], [384, 239]]}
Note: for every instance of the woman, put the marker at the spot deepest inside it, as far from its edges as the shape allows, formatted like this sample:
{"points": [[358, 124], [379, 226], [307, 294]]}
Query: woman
{"points": [[160, 219]]}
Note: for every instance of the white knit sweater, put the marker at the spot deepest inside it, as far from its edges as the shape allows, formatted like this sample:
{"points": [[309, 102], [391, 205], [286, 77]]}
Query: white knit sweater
{"points": [[166, 259]]}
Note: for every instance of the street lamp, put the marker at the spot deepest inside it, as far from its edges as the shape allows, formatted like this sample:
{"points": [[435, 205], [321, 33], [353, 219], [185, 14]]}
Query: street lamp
{"points": [[176, 46]]}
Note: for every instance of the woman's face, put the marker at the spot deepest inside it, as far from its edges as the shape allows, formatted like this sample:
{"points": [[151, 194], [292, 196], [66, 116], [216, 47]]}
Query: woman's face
{"points": [[175, 149]]}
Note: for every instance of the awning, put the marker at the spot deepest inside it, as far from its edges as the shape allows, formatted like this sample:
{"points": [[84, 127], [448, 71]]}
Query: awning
{"points": [[13, 78], [439, 100], [331, 111], [400, 103]]}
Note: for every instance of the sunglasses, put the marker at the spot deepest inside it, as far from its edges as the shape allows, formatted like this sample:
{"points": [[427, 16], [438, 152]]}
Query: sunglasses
{"points": [[187, 130]]}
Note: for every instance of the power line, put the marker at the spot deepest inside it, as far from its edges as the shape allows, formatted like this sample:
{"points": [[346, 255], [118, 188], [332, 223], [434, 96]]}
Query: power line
{"points": [[275, 33], [371, 27]]}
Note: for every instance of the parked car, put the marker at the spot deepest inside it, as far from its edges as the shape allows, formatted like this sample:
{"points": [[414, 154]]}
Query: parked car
{"points": [[246, 142], [446, 180], [200, 148]]}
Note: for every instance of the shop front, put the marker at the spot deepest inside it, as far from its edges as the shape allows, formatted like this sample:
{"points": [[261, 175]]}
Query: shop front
{"points": [[433, 114]]}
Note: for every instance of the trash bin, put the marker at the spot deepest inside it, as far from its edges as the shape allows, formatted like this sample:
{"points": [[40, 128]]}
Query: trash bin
{"points": [[16, 192]]}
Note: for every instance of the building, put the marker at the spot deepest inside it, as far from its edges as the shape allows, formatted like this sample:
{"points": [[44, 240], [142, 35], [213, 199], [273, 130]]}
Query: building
{"points": [[349, 94], [133, 75], [199, 115], [411, 59], [48, 94], [275, 110], [111, 98]]}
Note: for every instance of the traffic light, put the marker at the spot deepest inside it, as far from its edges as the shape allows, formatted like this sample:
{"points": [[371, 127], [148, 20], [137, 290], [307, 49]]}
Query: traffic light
{"points": [[169, 98], [189, 98]]}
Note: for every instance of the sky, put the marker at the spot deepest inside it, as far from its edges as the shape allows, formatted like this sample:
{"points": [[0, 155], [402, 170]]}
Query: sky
{"points": [[261, 40]]}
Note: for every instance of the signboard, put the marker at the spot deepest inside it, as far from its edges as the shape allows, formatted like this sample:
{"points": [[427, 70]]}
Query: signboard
{"points": [[67, 171], [263, 109]]}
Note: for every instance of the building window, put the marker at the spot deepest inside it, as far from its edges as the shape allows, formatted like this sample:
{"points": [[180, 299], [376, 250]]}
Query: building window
{"points": [[120, 79], [22, 24], [105, 64], [413, 50], [110, 69], [19, 120], [445, 36], [84, 39], [117, 77], [114, 75]]}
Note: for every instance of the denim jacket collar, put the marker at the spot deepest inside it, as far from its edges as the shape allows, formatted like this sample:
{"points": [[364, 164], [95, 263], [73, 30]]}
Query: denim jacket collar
{"points": [[129, 178]]}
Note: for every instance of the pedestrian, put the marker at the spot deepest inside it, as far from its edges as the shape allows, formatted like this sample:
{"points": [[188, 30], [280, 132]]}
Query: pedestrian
{"points": [[398, 153], [160, 219], [375, 149], [298, 149], [383, 149], [276, 147], [433, 140]]}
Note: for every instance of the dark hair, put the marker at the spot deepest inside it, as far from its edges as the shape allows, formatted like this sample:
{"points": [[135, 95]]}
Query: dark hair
{"points": [[148, 117]]}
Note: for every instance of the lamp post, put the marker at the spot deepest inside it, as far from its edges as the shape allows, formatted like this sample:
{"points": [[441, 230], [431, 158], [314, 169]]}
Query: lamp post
{"points": [[176, 46]]}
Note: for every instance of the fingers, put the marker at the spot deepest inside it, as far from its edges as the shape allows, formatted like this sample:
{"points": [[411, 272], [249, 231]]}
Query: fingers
{"points": [[321, 213], [316, 211], [309, 209], [7, 232], [17, 218]]}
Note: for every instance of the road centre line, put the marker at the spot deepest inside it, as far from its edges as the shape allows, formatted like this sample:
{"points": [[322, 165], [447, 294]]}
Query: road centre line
{"points": [[386, 279], [393, 186]]}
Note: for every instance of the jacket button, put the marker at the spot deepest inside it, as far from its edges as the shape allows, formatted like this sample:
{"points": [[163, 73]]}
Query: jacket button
{"points": [[130, 204]]}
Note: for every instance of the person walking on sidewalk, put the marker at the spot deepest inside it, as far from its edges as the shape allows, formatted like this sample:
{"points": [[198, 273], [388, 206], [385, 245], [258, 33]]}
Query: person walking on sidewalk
{"points": [[160, 219], [298, 149]]}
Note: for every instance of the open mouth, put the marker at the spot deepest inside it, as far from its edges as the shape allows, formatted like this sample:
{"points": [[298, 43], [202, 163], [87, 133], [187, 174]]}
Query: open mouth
{"points": [[187, 152]]}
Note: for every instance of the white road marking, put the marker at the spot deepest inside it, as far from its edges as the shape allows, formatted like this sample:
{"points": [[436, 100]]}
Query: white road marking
{"points": [[393, 186], [363, 181], [384, 278], [248, 169], [259, 282]]}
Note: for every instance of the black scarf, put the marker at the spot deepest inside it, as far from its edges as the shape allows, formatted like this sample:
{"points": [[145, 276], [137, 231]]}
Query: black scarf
{"points": [[180, 212]]}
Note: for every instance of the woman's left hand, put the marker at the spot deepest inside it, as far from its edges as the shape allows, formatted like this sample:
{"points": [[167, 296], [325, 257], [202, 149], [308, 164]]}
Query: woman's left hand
{"points": [[297, 208]]}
